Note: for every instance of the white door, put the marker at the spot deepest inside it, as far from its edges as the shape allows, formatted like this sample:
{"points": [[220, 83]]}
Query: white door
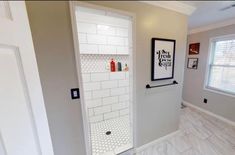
{"points": [[23, 122]]}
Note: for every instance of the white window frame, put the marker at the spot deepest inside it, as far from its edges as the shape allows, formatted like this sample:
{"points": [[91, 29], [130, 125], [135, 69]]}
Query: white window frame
{"points": [[208, 66]]}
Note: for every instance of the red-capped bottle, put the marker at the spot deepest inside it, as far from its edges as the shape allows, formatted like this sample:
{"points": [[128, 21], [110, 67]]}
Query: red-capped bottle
{"points": [[112, 66]]}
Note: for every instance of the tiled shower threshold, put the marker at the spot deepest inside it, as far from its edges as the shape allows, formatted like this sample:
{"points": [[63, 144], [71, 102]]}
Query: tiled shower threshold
{"points": [[118, 141]]}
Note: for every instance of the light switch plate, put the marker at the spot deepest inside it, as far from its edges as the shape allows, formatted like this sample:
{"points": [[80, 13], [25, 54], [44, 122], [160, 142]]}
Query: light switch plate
{"points": [[75, 94]]}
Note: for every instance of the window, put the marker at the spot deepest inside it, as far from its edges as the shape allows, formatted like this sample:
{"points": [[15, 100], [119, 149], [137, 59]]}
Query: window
{"points": [[221, 75]]}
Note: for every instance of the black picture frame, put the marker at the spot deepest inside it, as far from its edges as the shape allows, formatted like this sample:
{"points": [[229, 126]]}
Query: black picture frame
{"points": [[153, 58], [191, 67]]}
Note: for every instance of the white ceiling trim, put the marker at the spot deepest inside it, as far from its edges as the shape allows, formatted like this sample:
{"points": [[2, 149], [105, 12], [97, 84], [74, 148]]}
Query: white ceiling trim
{"points": [[212, 26], [173, 5]]}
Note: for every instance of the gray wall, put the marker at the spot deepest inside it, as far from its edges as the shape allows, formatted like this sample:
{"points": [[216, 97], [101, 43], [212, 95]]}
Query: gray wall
{"points": [[157, 110], [52, 36], [193, 91]]}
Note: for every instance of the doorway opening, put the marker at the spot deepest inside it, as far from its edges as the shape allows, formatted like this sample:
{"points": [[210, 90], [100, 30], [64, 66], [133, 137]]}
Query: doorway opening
{"points": [[105, 63]]}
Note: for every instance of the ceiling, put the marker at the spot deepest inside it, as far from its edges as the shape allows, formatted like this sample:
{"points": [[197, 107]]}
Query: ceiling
{"points": [[209, 12]]}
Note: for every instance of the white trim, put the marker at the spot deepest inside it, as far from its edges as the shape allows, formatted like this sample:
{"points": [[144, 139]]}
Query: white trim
{"points": [[212, 26], [78, 66], [223, 37], [2, 145], [219, 91], [209, 113], [173, 5], [73, 5], [152, 143], [210, 58]]}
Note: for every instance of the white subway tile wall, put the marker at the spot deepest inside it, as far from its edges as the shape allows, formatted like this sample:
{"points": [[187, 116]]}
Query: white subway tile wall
{"points": [[89, 49], [87, 28], [97, 38], [117, 76], [105, 30], [99, 76], [109, 84], [110, 115], [91, 86], [106, 49], [110, 100], [82, 38], [107, 97], [96, 118], [93, 103], [117, 91], [122, 32], [102, 38]]}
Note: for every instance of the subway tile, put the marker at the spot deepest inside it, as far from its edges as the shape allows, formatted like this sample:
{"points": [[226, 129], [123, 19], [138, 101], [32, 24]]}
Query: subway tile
{"points": [[96, 39], [125, 97], [109, 84], [99, 76], [127, 89], [83, 10], [126, 42], [127, 103], [118, 106], [106, 30], [117, 91], [87, 95], [122, 50], [86, 77], [91, 86], [88, 49], [115, 41], [93, 103], [101, 110], [123, 83], [110, 100], [117, 76], [86, 27], [90, 112], [111, 115], [127, 75], [122, 32], [124, 112], [106, 49], [101, 93], [96, 118], [82, 38]]}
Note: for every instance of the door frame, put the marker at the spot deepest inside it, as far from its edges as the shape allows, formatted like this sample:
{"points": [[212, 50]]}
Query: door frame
{"points": [[73, 5]]}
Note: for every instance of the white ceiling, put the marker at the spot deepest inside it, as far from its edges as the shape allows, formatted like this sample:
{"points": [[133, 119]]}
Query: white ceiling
{"points": [[209, 12]]}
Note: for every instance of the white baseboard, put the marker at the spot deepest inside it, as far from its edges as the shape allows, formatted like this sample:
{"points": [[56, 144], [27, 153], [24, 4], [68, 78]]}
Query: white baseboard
{"points": [[209, 113], [150, 144]]}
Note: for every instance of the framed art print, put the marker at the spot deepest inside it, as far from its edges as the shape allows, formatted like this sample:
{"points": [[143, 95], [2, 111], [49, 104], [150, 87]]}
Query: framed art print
{"points": [[194, 48], [163, 57], [192, 63]]}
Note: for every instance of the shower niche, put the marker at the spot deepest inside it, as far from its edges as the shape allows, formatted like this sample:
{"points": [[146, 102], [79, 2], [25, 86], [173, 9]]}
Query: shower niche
{"points": [[105, 59]]}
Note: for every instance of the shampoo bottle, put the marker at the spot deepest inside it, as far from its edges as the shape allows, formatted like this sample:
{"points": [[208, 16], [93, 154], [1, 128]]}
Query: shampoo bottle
{"points": [[119, 66], [112, 65]]}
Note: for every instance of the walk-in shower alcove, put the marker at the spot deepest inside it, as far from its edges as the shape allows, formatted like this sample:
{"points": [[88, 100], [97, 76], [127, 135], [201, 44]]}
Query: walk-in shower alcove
{"points": [[105, 59]]}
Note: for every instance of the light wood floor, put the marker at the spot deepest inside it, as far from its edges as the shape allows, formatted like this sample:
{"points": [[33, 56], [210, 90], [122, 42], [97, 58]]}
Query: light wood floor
{"points": [[199, 134]]}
